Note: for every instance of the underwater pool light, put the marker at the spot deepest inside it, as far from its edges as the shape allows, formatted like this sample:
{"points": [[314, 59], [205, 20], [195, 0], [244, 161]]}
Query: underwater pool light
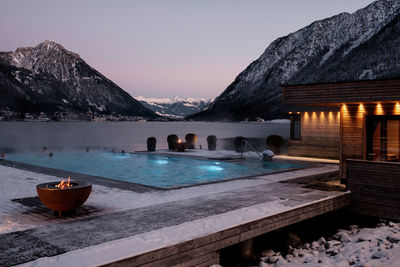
{"points": [[212, 168], [162, 161], [123, 156]]}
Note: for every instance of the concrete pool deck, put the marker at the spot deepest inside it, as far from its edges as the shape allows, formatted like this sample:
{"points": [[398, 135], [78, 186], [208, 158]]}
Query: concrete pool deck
{"points": [[152, 227]]}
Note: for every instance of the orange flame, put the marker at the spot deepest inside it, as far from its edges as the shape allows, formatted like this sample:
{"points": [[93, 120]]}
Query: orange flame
{"points": [[64, 184]]}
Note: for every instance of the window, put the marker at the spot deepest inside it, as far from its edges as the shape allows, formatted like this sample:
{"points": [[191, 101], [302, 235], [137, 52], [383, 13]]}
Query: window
{"points": [[295, 127], [383, 138]]}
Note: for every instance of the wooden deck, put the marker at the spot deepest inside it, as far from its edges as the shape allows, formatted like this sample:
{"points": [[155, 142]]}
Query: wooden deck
{"points": [[204, 251]]}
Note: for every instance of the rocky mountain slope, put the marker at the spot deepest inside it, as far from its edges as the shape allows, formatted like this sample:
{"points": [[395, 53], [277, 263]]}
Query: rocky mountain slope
{"points": [[52, 80], [346, 47], [177, 107]]}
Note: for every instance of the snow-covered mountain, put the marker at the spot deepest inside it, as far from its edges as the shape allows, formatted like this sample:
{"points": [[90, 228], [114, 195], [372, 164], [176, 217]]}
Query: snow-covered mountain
{"points": [[50, 79], [345, 47], [177, 107]]}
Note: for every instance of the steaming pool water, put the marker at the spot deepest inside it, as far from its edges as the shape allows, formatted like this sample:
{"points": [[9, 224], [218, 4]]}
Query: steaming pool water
{"points": [[151, 170]]}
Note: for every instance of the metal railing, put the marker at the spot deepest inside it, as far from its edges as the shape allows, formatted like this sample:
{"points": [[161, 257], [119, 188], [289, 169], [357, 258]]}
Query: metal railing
{"points": [[245, 142]]}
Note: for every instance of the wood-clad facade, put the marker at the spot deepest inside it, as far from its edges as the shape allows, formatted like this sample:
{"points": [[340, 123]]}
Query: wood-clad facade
{"points": [[375, 187], [312, 143], [360, 104], [367, 135], [343, 92]]}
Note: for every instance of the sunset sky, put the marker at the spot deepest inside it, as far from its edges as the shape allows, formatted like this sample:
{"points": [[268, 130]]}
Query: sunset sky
{"points": [[163, 48]]}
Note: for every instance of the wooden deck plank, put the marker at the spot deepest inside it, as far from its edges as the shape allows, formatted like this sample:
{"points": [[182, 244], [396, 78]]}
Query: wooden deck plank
{"points": [[191, 253]]}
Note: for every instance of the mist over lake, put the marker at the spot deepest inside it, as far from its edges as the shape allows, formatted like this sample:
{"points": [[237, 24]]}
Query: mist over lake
{"points": [[130, 136]]}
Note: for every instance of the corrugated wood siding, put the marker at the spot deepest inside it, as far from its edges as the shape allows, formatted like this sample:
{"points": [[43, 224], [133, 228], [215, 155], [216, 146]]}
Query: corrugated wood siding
{"points": [[352, 135], [353, 139], [363, 91], [319, 136], [375, 188]]}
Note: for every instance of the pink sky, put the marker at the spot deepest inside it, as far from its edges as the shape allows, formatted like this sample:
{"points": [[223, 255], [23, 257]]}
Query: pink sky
{"points": [[163, 48]]}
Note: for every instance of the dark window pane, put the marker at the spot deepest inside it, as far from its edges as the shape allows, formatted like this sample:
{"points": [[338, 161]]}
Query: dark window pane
{"points": [[383, 138], [295, 126]]}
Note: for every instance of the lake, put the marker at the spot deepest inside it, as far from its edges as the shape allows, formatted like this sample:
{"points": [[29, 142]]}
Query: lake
{"points": [[130, 136]]}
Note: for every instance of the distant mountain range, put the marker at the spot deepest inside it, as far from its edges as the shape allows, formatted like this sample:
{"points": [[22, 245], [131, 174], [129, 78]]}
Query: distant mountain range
{"points": [[51, 81], [359, 46], [175, 108]]}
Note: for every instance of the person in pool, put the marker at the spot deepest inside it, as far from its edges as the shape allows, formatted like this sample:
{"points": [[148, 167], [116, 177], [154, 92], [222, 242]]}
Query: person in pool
{"points": [[44, 150]]}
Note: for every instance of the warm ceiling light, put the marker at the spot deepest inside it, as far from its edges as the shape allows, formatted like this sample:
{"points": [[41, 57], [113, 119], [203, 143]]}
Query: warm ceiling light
{"points": [[314, 117], [397, 109], [379, 109]]}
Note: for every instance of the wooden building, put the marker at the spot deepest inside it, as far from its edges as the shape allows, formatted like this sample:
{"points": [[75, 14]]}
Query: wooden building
{"points": [[356, 122]]}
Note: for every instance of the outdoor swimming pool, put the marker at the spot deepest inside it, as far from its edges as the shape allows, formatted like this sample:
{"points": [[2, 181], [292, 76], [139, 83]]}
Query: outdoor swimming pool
{"points": [[151, 170]]}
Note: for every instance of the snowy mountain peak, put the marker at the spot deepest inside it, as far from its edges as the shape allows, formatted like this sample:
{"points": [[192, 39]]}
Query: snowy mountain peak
{"points": [[49, 78], [47, 46], [177, 107], [323, 51], [175, 99], [46, 57]]}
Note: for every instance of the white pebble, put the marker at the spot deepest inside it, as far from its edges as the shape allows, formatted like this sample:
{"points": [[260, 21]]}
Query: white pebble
{"points": [[343, 236], [393, 238], [308, 258], [273, 259], [280, 262], [381, 254], [322, 241]]}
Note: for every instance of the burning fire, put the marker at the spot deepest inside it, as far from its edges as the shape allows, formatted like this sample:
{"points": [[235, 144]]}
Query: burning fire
{"points": [[64, 184], [179, 141]]}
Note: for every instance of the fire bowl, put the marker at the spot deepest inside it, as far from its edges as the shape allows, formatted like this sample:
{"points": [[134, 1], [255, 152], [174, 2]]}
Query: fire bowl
{"points": [[181, 146], [63, 199]]}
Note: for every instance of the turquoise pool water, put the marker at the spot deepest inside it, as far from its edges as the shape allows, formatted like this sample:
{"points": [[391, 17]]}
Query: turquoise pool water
{"points": [[152, 170]]}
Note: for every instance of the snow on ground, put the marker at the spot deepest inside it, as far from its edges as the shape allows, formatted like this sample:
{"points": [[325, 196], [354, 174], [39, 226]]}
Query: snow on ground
{"points": [[16, 183], [378, 246]]}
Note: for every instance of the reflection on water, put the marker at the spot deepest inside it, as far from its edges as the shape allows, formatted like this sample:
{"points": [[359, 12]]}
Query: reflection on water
{"points": [[130, 136]]}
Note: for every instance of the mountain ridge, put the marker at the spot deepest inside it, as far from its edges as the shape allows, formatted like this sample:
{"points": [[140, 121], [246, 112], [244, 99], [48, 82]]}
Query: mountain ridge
{"points": [[301, 57], [62, 83]]}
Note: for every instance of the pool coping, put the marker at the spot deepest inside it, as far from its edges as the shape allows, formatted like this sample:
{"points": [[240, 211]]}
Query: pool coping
{"points": [[141, 188], [108, 182]]}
